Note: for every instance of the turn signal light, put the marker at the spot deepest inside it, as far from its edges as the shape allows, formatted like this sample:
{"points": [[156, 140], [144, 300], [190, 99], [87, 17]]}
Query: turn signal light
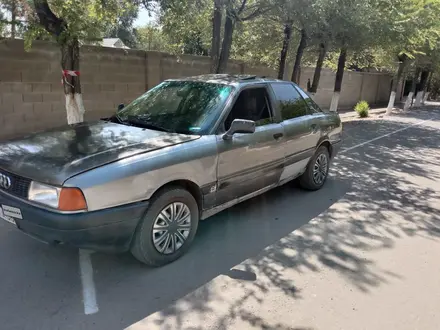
{"points": [[72, 199]]}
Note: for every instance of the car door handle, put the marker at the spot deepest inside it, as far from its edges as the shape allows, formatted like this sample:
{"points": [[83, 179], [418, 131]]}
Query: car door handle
{"points": [[314, 128], [278, 136]]}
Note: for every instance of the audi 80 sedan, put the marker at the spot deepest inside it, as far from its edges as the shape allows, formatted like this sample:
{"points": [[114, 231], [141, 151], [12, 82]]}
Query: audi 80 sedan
{"points": [[187, 149]]}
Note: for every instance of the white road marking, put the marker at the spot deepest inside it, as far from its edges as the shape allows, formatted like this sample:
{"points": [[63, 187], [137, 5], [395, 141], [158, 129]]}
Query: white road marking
{"points": [[382, 136], [88, 285]]}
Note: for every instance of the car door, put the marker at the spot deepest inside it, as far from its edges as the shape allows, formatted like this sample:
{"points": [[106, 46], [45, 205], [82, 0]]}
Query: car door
{"points": [[300, 129], [250, 163], [323, 122]]}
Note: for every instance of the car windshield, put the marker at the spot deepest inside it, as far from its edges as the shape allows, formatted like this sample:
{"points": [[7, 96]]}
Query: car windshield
{"points": [[178, 106]]}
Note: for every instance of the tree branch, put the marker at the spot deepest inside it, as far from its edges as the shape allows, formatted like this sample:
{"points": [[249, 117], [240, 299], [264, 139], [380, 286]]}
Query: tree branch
{"points": [[256, 13], [243, 5], [48, 19]]}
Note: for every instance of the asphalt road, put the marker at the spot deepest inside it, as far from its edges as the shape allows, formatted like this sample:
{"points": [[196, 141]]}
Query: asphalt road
{"points": [[362, 253]]}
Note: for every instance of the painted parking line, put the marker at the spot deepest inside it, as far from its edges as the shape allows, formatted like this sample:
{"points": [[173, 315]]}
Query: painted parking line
{"points": [[88, 285], [385, 135]]}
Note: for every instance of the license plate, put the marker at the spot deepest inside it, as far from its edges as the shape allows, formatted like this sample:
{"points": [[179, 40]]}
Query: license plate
{"points": [[8, 213]]}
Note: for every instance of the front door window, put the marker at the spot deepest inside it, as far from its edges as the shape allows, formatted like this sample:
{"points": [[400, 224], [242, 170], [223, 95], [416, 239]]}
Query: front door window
{"points": [[251, 104]]}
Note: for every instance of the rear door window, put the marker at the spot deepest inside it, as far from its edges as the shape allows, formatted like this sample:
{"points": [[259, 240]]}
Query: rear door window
{"points": [[310, 103], [290, 102]]}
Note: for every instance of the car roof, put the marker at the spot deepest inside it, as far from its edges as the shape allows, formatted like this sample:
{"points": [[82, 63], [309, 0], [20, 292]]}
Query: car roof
{"points": [[228, 79]]}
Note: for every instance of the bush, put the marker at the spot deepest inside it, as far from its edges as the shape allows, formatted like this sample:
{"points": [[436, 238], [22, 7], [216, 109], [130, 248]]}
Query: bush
{"points": [[362, 108]]}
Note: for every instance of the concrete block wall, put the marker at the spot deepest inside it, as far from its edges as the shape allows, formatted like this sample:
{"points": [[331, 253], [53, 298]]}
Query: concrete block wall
{"points": [[31, 94], [32, 98], [372, 87], [110, 77]]}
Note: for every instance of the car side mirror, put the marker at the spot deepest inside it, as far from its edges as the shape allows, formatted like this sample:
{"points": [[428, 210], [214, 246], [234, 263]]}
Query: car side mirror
{"points": [[121, 106], [240, 126]]}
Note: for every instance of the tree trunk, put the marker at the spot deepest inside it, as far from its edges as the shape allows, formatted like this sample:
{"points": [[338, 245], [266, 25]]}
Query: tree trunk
{"points": [[409, 99], [428, 88], [284, 50], [13, 19], [299, 54], [72, 85], [338, 79], [318, 68], [402, 63], [216, 35], [227, 43], [423, 80], [57, 27]]}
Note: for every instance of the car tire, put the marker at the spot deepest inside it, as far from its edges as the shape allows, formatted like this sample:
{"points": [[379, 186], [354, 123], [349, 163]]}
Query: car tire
{"points": [[145, 246], [320, 162]]}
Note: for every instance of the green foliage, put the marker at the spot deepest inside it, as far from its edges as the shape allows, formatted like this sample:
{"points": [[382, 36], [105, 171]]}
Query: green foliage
{"points": [[124, 28], [21, 11], [369, 59], [186, 26], [434, 87], [151, 37], [34, 32], [374, 31], [258, 41], [362, 108], [86, 21], [413, 27]]}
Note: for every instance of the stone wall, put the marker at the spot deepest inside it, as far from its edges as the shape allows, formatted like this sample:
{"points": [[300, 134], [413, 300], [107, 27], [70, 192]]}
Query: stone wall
{"points": [[31, 94]]}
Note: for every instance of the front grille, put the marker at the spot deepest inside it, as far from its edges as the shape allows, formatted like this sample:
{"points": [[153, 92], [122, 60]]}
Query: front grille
{"points": [[19, 185]]}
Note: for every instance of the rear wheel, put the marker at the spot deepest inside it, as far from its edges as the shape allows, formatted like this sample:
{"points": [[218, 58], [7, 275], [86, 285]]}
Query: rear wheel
{"points": [[167, 229], [317, 170]]}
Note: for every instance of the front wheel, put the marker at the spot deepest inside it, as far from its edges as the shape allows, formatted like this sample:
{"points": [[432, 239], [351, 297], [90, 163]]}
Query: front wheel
{"points": [[167, 229], [317, 170]]}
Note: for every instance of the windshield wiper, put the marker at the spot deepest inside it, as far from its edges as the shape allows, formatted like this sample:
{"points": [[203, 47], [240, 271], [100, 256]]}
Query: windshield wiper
{"points": [[143, 123], [117, 118]]}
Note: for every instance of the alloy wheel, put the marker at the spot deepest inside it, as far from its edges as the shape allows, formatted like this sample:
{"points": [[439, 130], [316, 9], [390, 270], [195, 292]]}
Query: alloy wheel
{"points": [[171, 228], [320, 169]]}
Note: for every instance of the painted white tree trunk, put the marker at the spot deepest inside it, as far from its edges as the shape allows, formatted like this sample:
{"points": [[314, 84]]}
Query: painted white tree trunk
{"points": [[408, 101], [425, 97], [74, 108], [391, 103], [419, 97], [335, 102]]}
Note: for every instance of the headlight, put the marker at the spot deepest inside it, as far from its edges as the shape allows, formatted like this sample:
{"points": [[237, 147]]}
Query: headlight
{"points": [[44, 194], [63, 199]]}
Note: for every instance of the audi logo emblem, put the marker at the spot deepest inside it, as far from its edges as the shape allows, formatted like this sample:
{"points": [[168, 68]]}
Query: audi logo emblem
{"points": [[5, 181]]}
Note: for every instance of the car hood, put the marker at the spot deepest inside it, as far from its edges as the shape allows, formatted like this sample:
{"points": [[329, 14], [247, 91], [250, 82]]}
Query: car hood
{"points": [[55, 155]]}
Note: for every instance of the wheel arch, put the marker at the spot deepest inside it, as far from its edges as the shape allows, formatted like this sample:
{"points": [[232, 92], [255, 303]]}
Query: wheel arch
{"points": [[326, 143], [192, 187]]}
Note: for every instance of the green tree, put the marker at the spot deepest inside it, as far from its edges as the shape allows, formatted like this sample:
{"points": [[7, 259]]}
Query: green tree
{"points": [[414, 26], [186, 26], [257, 41], [70, 23], [236, 11], [13, 17], [151, 37], [286, 12], [305, 18], [124, 27]]}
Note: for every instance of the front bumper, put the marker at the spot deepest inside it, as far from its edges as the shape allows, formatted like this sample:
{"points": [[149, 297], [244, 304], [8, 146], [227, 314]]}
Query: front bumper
{"points": [[109, 230]]}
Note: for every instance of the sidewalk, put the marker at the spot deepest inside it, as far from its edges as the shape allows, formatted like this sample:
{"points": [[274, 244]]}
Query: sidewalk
{"points": [[351, 113]]}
